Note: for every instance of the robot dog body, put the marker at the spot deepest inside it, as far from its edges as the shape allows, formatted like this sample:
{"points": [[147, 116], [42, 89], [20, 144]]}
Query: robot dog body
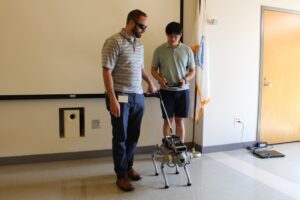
{"points": [[173, 153]]}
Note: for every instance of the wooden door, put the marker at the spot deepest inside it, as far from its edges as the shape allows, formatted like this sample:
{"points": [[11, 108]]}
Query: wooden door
{"points": [[280, 104]]}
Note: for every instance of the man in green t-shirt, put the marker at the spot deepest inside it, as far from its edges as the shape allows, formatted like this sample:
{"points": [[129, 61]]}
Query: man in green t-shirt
{"points": [[173, 66]]}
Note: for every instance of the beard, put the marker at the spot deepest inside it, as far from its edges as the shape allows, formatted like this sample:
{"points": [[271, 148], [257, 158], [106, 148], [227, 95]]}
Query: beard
{"points": [[136, 33]]}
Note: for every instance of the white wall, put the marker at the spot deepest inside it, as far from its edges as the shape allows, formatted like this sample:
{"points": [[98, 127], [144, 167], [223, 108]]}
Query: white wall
{"points": [[32, 127], [234, 45], [58, 43]]}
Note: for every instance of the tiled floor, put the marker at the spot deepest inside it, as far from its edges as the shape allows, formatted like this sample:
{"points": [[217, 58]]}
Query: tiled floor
{"points": [[231, 175]]}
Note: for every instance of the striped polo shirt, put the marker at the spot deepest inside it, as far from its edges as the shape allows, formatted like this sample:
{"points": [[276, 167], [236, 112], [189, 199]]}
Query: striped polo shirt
{"points": [[124, 55]]}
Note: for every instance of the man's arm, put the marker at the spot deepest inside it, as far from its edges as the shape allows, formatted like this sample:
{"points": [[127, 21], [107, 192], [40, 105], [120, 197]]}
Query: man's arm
{"points": [[151, 86], [108, 82], [188, 77], [162, 81]]}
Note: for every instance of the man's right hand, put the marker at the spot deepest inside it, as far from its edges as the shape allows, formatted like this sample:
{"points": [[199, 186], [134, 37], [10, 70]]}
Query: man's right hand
{"points": [[115, 107]]}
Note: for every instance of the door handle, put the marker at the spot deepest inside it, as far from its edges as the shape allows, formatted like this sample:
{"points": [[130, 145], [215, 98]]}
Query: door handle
{"points": [[268, 84]]}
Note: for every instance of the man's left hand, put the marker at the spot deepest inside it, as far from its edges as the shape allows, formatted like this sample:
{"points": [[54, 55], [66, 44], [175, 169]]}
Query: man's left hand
{"points": [[181, 82], [151, 88]]}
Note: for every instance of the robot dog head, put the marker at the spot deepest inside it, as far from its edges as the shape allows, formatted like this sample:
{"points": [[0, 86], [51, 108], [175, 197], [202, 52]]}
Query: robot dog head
{"points": [[182, 158], [174, 143]]}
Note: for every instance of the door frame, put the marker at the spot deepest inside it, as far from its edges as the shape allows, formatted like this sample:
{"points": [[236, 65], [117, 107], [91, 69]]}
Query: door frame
{"points": [[264, 8]]}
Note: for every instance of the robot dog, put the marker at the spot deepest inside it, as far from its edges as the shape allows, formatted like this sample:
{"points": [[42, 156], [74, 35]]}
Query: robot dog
{"points": [[172, 152]]}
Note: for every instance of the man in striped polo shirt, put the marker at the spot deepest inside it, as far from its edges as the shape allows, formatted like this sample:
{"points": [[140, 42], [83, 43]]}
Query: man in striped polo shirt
{"points": [[123, 71]]}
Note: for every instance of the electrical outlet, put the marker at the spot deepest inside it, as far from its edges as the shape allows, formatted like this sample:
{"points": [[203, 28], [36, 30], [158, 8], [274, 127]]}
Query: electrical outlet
{"points": [[236, 120], [96, 124]]}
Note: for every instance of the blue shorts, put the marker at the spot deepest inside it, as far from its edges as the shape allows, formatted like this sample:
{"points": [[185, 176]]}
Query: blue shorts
{"points": [[177, 103]]}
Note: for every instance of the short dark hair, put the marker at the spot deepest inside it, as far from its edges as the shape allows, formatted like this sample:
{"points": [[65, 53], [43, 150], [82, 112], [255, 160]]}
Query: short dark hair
{"points": [[135, 15], [174, 28]]}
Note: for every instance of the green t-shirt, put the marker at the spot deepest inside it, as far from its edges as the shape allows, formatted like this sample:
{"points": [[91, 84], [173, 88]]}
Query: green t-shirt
{"points": [[173, 63]]}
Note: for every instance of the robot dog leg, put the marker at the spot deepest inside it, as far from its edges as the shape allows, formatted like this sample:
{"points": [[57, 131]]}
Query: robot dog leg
{"points": [[154, 163], [188, 176], [162, 166]]}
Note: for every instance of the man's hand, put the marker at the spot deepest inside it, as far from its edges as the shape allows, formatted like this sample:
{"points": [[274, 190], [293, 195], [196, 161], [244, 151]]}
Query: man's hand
{"points": [[151, 88], [181, 83], [163, 82], [115, 107]]}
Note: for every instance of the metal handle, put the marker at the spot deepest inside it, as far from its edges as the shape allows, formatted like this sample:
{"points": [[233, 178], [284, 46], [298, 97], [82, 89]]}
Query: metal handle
{"points": [[268, 84]]}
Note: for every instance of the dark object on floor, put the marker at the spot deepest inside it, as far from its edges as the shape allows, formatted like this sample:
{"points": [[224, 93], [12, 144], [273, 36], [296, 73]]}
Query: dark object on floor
{"points": [[262, 150], [268, 153]]}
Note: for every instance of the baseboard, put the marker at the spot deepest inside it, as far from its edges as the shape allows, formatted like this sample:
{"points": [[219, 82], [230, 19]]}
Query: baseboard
{"points": [[108, 153], [226, 147], [68, 156], [54, 157]]}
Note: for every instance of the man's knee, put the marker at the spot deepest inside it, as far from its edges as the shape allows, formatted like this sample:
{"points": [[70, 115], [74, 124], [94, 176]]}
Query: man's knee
{"points": [[179, 120]]}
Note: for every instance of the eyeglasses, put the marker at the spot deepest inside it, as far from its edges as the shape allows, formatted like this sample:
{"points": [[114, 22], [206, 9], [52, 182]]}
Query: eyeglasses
{"points": [[141, 26]]}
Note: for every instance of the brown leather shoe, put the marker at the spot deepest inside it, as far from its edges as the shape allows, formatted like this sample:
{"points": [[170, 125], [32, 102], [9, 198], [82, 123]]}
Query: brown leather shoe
{"points": [[124, 184], [132, 174]]}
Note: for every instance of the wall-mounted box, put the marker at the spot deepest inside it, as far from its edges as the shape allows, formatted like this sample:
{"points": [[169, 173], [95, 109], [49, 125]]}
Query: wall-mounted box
{"points": [[71, 122]]}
